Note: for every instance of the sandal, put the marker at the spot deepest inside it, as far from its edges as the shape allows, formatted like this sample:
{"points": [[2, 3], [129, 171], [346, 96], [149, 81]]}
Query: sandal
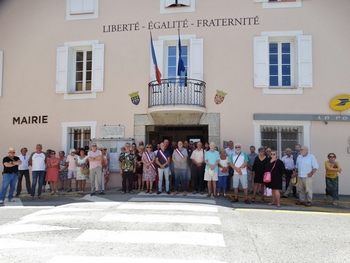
{"points": [[224, 194], [253, 200], [150, 192], [262, 201], [147, 191], [271, 204], [52, 193], [40, 197], [123, 193]]}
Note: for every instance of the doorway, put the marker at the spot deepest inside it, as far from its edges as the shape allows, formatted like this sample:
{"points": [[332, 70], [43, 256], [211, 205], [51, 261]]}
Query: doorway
{"points": [[177, 133]]}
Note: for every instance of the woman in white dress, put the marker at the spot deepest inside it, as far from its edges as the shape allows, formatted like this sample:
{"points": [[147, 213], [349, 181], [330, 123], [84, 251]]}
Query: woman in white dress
{"points": [[82, 162]]}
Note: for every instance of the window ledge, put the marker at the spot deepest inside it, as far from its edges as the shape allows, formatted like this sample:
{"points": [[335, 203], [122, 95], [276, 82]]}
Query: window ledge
{"points": [[280, 91], [80, 96], [297, 3], [179, 9]]}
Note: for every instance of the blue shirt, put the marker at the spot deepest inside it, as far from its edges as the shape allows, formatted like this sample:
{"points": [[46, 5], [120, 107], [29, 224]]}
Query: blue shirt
{"points": [[212, 158], [251, 158], [306, 164]]}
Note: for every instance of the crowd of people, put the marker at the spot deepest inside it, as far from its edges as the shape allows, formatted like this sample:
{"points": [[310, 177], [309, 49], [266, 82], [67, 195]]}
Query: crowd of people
{"points": [[179, 167]]}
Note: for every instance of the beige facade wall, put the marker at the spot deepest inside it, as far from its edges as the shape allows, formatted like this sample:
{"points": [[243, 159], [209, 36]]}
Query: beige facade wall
{"points": [[31, 33]]}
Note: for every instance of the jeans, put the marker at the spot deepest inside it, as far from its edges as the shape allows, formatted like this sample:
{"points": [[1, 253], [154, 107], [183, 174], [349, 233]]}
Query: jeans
{"points": [[37, 175], [222, 182], [160, 176], [8, 180], [96, 179], [180, 175], [130, 177], [198, 177], [24, 173]]}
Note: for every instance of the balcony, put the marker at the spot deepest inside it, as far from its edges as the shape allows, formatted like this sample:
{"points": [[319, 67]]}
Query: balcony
{"points": [[174, 94]]}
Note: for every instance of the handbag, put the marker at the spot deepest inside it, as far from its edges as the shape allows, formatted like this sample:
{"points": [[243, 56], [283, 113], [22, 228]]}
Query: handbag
{"points": [[85, 170], [267, 175], [295, 180]]}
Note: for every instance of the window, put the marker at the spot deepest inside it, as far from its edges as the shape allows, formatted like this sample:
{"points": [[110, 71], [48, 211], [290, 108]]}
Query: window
{"points": [[279, 135], [1, 69], [280, 3], [280, 64], [79, 137], [283, 62], [173, 58], [80, 69], [166, 49], [83, 70], [82, 9], [77, 134], [177, 6]]}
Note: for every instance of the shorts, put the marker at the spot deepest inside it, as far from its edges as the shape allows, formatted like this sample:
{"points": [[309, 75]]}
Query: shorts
{"points": [[72, 174], [208, 177], [240, 178]]}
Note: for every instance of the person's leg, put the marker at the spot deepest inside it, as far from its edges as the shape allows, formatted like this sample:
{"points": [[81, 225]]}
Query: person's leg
{"points": [[195, 179], [35, 176], [177, 180], [277, 197], [166, 176], [5, 184], [209, 188], [201, 178], [19, 183], [235, 185], [151, 186], [288, 177], [244, 182], [92, 180], [27, 177], [224, 184], [219, 185], [160, 179], [131, 181], [214, 188], [301, 189], [83, 183], [139, 181], [124, 182], [183, 178], [41, 179], [308, 189], [250, 180]]}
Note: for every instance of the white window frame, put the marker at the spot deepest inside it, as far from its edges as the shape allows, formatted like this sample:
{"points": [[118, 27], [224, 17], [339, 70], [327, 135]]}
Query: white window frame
{"points": [[93, 14], [66, 126], [65, 69], [302, 58], [306, 130], [168, 44], [195, 55], [269, 5], [164, 9], [1, 69], [73, 79]]}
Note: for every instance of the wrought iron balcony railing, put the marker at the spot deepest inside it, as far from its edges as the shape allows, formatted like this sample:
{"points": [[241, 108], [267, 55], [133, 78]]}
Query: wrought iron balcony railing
{"points": [[176, 91]]}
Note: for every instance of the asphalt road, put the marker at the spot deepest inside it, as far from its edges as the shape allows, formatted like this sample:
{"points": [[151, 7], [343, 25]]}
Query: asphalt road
{"points": [[164, 228]]}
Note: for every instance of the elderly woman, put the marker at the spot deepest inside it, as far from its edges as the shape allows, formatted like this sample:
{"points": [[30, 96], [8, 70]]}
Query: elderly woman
{"points": [[139, 167], [277, 169], [223, 172], [52, 175], [82, 170], [149, 168], [258, 173], [212, 158], [332, 170]]}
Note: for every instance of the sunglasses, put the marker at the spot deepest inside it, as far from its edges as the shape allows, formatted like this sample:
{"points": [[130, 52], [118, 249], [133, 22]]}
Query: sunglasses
{"points": [[238, 147], [93, 145], [331, 156], [12, 152], [273, 154]]}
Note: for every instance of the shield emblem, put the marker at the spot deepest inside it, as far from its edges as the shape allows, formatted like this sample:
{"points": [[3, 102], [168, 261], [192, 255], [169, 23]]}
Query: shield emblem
{"points": [[219, 96], [135, 98]]}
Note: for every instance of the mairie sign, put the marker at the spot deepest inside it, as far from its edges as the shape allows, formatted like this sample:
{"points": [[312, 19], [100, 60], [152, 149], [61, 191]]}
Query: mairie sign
{"points": [[340, 102]]}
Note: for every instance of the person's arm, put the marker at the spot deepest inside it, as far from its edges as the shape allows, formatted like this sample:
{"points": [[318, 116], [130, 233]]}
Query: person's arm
{"points": [[12, 163], [31, 159], [314, 167], [330, 168]]}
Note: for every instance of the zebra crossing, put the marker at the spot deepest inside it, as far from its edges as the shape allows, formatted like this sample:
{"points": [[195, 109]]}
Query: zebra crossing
{"points": [[143, 229]]}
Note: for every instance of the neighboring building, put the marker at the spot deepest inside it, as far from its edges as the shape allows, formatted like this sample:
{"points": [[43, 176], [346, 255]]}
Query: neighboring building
{"points": [[67, 68]]}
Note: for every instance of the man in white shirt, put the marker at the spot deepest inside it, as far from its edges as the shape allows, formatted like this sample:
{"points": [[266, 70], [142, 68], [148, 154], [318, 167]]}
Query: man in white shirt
{"points": [[288, 161], [197, 158], [23, 170], [38, 162]]}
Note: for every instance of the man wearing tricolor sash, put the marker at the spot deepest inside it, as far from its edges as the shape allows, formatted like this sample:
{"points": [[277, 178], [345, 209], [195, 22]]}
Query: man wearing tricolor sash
{"points": [[163, 160], [180, 165]]}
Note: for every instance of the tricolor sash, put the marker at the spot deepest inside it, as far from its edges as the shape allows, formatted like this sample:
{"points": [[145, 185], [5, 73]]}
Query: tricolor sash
{"points": [[163, 156], [150, 161], [179, 153]]}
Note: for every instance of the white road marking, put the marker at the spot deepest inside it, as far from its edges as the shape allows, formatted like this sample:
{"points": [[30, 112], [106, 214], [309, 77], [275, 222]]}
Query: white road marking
{"points": [[6, 243], [155, 237], [179, 194], [169, 207], [17, 203], [18, 228], [182, 219], [169, 199], [95, 198], [60, 259]]}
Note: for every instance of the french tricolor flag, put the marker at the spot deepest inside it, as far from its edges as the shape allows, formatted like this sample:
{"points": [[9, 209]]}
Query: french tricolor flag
{"points": [[158, 74]]}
